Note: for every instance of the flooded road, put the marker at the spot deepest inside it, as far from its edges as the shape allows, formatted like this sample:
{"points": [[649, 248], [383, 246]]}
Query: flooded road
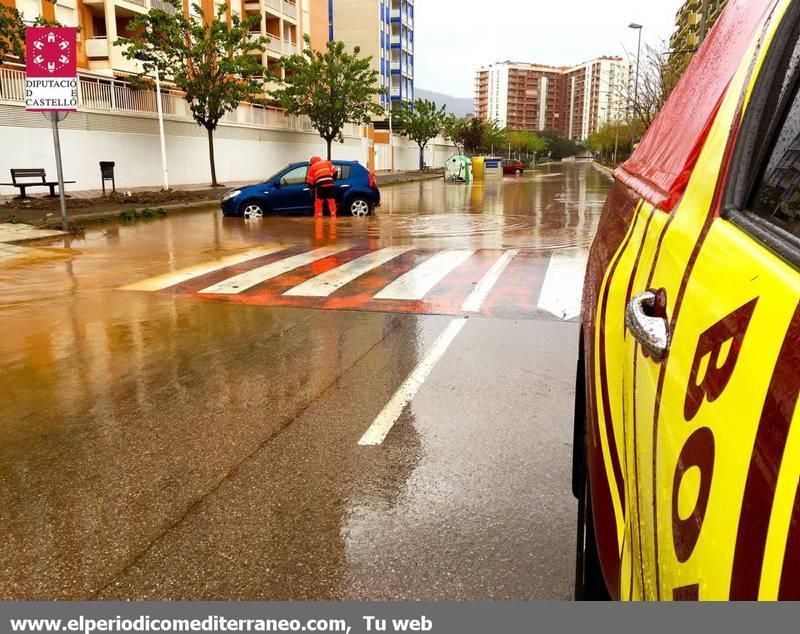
{"points": [[201, 433]]}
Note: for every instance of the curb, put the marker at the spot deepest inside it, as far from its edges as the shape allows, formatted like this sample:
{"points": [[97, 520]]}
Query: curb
{"points": [[90, 218], [604, 169]]}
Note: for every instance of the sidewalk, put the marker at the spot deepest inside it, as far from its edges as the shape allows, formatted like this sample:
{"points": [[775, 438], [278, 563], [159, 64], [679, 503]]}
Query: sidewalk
{"points": [[11, 252], [88, 206]]}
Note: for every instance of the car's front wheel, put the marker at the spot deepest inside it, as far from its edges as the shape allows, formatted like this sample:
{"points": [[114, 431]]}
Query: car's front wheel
{"points": [[518, 172], [252, 210], [360, 207], [589, 582]]}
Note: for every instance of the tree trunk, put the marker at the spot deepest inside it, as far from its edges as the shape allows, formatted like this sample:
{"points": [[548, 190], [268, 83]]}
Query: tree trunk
{"points": [[211, 157], [421, 157], [330, 143]]}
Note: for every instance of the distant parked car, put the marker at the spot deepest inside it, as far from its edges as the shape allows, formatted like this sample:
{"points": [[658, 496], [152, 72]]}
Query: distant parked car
{"points": [[511, 166], [287, 192]]}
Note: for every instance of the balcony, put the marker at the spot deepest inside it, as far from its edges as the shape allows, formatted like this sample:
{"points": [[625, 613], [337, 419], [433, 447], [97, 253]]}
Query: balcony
{"points": [[275, 5], [166, 7], [139, 4], [97, 48], [274, 45], [290, 9]]}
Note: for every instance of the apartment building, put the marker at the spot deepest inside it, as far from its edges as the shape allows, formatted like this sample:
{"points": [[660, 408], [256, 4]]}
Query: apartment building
{"points": [[571, 101], [384, 30], [694, 19], [103, 22]]}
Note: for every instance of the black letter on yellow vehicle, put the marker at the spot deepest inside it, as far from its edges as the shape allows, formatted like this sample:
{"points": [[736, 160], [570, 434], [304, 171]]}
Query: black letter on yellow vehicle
{"points": [[697, 452], [732, 328]]}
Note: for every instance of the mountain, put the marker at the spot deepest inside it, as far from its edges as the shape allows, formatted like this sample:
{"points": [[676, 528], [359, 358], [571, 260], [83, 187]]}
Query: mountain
{"points": [[457, 105]]}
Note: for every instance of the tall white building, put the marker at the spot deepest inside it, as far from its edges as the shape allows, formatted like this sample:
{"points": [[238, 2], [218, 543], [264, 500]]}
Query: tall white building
{"points": [[571, 101]]}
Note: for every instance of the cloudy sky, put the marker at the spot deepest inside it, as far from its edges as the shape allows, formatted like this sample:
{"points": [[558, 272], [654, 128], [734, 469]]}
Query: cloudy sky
{"points": [[454, 37]]}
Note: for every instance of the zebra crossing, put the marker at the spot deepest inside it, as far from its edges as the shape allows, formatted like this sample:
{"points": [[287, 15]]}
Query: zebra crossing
{"points": [[511, 283]]}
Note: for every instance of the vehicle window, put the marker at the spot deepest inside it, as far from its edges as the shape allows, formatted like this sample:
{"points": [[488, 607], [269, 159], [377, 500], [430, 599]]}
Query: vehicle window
{"points": [[344, 172], [297, 176], [777, 194]]}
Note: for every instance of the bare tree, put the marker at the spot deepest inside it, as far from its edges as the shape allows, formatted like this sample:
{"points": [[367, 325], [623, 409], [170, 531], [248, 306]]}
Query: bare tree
{"points": [[657, 78]]}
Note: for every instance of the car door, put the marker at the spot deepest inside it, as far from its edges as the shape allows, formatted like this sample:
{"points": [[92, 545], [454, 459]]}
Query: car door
{"points": [[712, 356], [343, 182], [291, 192]]}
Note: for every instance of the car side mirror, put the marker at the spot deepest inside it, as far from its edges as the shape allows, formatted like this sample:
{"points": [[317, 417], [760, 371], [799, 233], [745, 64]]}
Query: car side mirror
{"points": [[279, 183]]}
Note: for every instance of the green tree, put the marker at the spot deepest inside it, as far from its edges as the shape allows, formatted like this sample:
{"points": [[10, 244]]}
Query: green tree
{"points": [[421, 123], [12, 32], [472, 135], [559, 147], [331, 87], [494, 137], [453, 129], [211, 61], [616, 139], [525, 141]]}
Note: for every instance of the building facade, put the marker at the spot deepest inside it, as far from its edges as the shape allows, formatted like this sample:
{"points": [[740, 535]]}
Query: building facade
{"points": [[571, 101], [694, 19], [384, 30], [103, 22]]}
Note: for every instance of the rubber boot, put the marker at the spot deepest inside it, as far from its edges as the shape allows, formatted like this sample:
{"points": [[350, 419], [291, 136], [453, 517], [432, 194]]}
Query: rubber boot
{"points": [[318, 207], [332, 207]]}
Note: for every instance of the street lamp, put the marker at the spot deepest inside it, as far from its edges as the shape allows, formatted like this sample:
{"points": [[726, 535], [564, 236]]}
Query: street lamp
{"points": [[637, 27]]}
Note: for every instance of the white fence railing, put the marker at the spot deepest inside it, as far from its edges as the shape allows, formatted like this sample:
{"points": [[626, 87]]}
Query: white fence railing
{"points": [[106, 95]]}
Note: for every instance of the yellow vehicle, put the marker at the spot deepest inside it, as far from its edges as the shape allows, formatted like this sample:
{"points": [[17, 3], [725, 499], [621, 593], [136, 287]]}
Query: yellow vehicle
{"points": [[687, 463]]}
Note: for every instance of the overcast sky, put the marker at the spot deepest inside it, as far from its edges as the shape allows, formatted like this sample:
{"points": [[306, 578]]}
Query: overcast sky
{"points": [[454, 37]]}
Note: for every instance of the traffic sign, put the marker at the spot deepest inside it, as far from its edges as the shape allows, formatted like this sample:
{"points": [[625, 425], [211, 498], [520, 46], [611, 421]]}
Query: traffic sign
{"points": [[51, 69]]}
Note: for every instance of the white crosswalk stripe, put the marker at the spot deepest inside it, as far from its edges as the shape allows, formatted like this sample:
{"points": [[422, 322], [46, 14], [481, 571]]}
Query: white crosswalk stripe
{"points": [[562, 290], [419, 281], [327, 283], [184, 275], [244, 281], [484, 287]]}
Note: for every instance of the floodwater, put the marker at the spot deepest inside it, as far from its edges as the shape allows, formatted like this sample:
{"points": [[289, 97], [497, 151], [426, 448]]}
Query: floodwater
{"points": [[166, 445]]}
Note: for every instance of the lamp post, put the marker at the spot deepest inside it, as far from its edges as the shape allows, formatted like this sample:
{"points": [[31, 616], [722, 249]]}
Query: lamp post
{"points": [[637, 27], [160, 110]]}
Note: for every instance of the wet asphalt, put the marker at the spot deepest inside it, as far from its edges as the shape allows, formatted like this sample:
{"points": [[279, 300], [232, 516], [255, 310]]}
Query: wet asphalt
{"points": [[157, 446]]}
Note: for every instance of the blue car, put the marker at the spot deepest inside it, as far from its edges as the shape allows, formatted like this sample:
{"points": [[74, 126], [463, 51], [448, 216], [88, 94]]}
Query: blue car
{"points": [[287, 192]]}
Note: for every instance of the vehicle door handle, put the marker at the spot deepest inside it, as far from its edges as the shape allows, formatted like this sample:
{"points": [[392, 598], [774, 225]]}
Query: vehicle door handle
{"points": [[646, 320]]}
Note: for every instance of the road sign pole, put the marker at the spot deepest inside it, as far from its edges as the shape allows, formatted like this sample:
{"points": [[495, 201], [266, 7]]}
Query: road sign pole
{"points": [[52, 85], [59, 170]]}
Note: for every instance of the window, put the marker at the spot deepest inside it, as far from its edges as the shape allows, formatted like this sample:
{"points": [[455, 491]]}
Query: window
{"points": [[297, 176], [777, 197], [344, 172], [777, 192], [762, 195]]}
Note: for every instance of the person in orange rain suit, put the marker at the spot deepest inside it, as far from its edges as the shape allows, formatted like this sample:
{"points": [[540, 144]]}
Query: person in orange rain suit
{"points": [[322, 177]]}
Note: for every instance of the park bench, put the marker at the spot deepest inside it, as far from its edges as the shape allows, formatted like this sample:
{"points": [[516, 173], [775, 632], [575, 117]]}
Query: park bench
{"points": [[40, 180]]}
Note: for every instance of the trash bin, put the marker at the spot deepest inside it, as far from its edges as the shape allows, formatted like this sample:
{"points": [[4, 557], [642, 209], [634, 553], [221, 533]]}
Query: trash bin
{"points": [[107, 174]]}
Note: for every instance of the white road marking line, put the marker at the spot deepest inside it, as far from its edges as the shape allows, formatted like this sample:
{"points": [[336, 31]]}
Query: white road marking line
{"points": [[249, 279], [184, 275], [562, 290], [383, 424], [325, 284], [419, 281], [485, 286]]}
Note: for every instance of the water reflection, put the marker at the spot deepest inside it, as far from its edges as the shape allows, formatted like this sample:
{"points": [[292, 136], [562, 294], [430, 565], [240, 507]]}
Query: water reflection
{"points": [[119, 411]]}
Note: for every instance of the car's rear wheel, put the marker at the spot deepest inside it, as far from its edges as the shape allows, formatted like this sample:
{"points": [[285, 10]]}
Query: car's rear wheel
{"points": [[360, 207], [518, 172], [251, 210]]}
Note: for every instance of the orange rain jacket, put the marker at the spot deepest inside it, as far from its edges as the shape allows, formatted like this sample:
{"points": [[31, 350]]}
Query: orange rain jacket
{"points": [[322, 173]]}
